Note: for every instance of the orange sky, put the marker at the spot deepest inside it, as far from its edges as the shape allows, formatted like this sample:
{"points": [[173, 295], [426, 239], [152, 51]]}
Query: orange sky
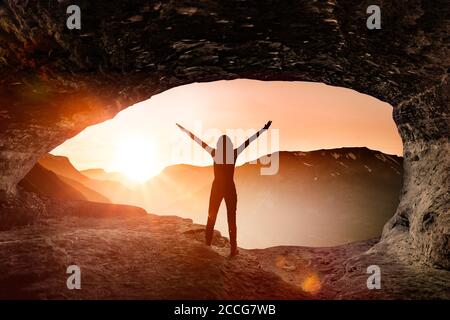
{"points": [[143, 139]]}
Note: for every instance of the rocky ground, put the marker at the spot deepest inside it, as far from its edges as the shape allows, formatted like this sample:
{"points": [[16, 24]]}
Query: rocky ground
{"points": [[134, 255]]}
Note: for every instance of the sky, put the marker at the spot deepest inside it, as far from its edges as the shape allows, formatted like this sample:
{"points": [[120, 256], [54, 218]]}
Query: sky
{"points": [[143, 139]]}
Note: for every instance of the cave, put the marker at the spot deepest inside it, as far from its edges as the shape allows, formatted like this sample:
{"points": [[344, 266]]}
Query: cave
{"points": [[55, 82], [334, 178]]}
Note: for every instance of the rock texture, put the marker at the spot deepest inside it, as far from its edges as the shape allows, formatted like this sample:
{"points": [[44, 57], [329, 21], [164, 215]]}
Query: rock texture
{"points": [[129, 256], [54, 81], [133, 255]]}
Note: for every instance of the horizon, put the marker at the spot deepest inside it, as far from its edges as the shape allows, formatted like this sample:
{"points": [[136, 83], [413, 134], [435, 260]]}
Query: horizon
{"points": [[237, 165], [139, 142]]}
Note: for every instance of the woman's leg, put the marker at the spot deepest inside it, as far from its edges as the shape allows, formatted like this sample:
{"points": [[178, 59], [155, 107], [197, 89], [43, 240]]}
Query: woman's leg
{"points": [[215, 199], [231, 202]]}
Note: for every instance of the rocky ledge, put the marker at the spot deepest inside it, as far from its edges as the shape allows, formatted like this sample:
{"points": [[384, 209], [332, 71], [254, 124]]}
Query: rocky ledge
{"points": [[128, 254]]}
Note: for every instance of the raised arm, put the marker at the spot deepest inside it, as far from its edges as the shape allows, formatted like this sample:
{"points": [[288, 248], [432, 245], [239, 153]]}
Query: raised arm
{"points": [[203, 144], [252, 138]]}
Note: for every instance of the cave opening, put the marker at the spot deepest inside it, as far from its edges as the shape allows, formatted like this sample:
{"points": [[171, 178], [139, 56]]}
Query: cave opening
{"points": [[339, 154]]}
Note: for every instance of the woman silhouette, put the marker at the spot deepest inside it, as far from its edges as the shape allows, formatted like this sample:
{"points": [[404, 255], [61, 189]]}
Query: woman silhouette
{"points": [[223, 185]]}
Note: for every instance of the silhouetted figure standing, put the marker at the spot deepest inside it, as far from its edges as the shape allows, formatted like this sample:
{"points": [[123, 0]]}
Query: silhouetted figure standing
{"points": [[223, 185]]}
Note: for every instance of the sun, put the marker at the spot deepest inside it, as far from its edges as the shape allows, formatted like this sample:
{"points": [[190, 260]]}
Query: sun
{"points": [[135, 158]]}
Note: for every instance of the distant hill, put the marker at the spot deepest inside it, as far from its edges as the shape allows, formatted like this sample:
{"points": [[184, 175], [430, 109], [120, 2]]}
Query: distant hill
{"points": [[115, 191], [317, 198], [89, 194], [42, 181], [100, 174], [61, 166]]}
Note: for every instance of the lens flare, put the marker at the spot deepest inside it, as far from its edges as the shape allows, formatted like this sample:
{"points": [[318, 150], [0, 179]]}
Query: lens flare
{"points": [[311, 284]]}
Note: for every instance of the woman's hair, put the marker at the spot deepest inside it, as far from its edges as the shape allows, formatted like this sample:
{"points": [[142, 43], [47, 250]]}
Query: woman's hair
{"points": [[224, 150], [227, 144]]}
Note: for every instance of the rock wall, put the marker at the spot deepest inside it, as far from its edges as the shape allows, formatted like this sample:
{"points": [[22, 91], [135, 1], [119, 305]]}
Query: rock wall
{"points": [[55, 82]]}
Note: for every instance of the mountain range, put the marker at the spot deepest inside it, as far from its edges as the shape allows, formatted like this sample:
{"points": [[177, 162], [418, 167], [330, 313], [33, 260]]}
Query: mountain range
{"points": [[317, 198]]}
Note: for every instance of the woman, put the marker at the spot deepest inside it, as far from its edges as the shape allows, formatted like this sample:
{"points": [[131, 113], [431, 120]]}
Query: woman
{"points": [[223, 185]]}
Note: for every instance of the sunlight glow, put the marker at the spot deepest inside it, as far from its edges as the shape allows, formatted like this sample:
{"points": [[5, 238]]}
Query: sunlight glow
{"points": [[135, 158], [309, 116]]}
